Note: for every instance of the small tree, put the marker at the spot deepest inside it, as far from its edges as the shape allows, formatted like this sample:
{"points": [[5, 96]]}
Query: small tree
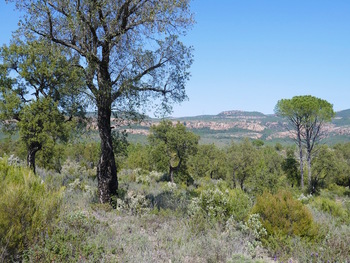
{"points": [[209, 161], [39, 92], [290, 167], [243, 160], [172, 145], [42, 124], [325, 168], [342, 153]]}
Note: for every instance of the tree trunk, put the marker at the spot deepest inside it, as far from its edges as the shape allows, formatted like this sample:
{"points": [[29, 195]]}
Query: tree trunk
{"points": [[241, 181], [309, 169], [301, 161], [234, 179], [106, 168], [32, 150], [172, 169], [171, 173]]}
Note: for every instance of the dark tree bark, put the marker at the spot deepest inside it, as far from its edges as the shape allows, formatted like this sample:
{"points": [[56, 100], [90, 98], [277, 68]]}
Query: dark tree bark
{"points": [[106, 168], [175, 169], [33, 149], [241, 183], [311, 136], [234, 177], [309, 169], [300, 158]]}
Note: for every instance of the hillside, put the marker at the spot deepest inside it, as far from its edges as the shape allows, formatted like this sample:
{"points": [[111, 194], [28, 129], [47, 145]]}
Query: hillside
{"points": [[226, 126]]}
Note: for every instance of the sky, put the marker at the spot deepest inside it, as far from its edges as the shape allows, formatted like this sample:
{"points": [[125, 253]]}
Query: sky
{"points": [[248, 54]]}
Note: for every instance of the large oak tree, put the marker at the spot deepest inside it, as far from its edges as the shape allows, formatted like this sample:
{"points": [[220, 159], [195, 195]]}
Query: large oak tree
{"points": [[129, 51]]}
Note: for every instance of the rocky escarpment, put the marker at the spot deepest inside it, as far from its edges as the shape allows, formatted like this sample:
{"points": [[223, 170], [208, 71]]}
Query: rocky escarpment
{"points": [[235, 125]]}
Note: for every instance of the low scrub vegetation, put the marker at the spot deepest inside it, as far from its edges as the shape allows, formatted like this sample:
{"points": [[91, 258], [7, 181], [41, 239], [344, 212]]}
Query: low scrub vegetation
{"points": [[242, 204], [28, 210]]}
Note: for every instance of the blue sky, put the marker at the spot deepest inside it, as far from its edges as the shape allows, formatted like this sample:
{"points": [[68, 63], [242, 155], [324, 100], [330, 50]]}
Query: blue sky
{"points": [[251, 53]]}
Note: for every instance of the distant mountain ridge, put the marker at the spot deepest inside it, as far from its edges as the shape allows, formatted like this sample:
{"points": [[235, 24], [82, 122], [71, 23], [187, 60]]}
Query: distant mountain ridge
{"points": [[343, 113], [240, 113], [235, 125]]}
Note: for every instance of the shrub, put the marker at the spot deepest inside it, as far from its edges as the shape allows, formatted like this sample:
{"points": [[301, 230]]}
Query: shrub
{"points": [[219, 204], [27, 209], [331, 246], [282, 215], [72, 170], [70, 241], [332, 207], [252, 229], [171, 198], [133, 202]]}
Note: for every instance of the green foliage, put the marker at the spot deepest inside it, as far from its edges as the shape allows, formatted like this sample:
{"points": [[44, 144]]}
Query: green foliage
{"points": [[209, 161], [342, 153], [52, 156], [258, 143], [138, 157], [307, 116], [242, 259], [129, 61], [10, 107], [42, 123], [171, 146], [282, 215], [133, 203], [69, 241], [48, 70], [120, 147], [278, 147], [267, 172], [254, 228], [45, 71], [9, 145], [27, 209], [325, 169], [85, 153], [335, 208], [290, 167], [308, 108], [217, 204], [243, 161]]}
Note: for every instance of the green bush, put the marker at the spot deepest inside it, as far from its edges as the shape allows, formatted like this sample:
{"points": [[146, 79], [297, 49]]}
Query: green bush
{"points": [[70, 241], [218, 204], [282, 215], [27, 209], [332, 207]]}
